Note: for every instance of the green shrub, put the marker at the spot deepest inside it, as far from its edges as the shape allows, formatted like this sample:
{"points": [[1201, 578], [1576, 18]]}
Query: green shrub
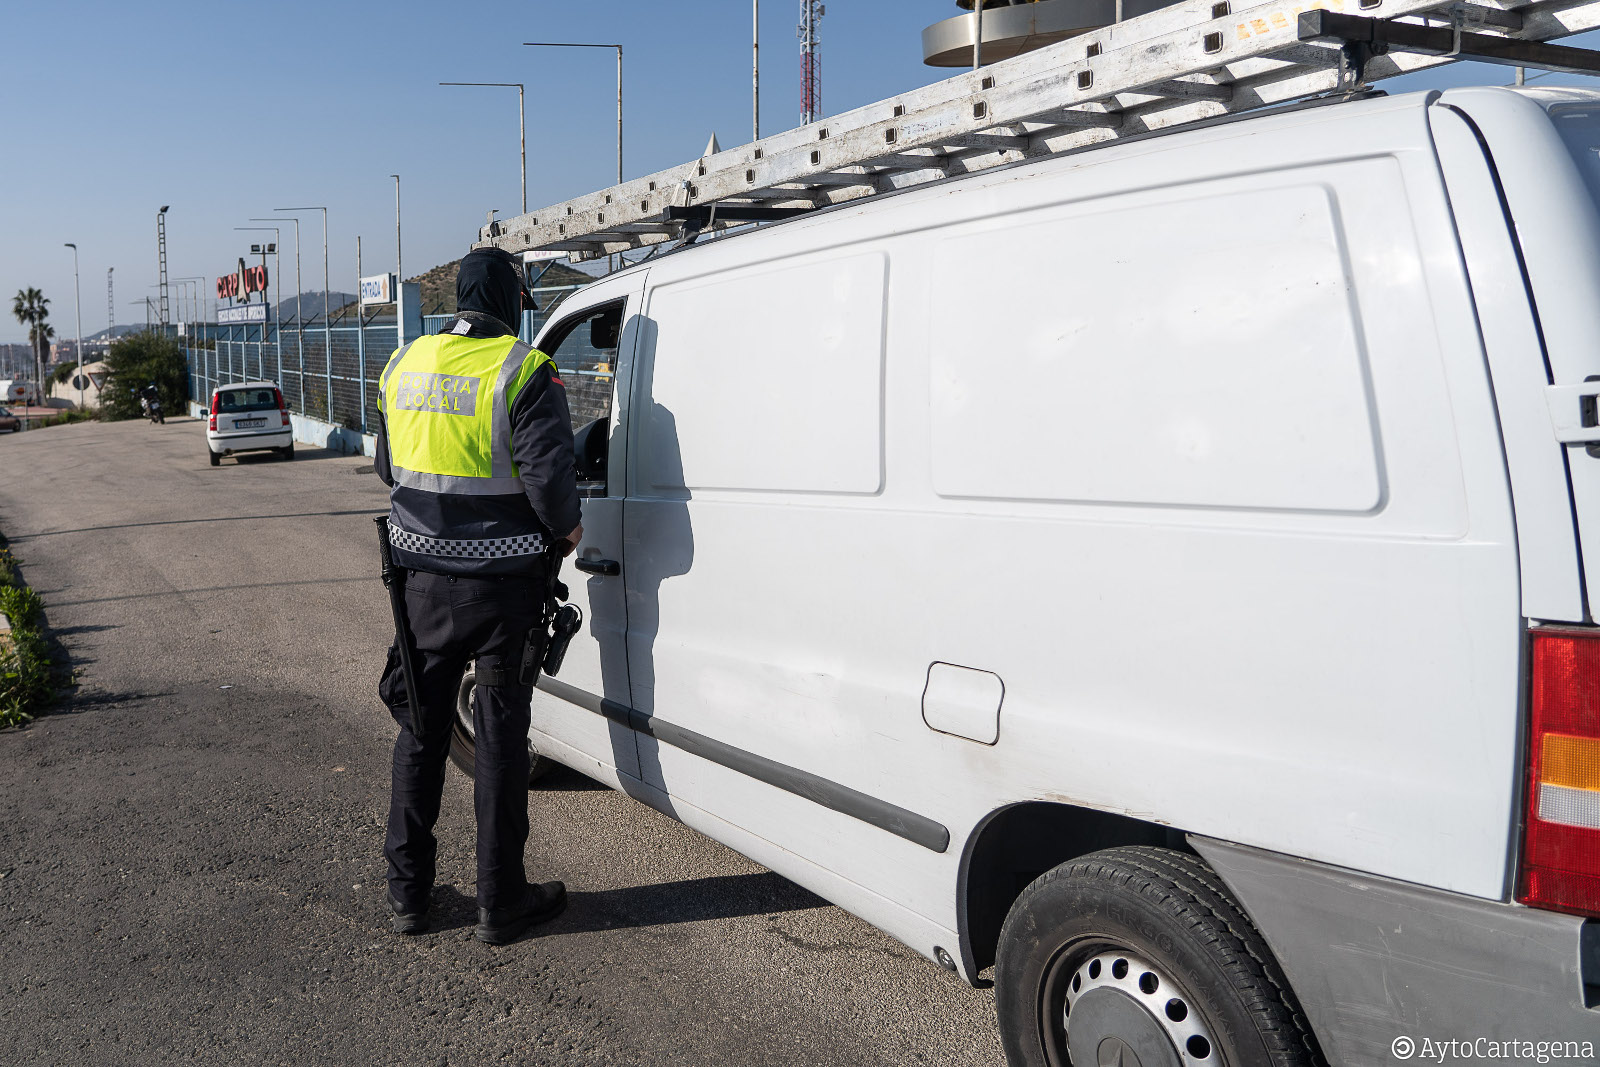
{"points": [[137, 360], [29, 677]]}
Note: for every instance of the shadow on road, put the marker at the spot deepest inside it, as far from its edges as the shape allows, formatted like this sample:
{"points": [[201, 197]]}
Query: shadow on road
{"points": [[186, 522], [301, 455], [80, 703], [726, 896], [212, 589], [86, 628], [560, 779]]}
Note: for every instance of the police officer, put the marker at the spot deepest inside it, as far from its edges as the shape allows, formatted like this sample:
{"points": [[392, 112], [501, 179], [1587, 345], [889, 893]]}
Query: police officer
{"points": [[475, 444]]}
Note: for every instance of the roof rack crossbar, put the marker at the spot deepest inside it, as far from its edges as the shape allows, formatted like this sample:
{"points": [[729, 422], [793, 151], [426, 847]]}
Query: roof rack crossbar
{"points": [[1172, 66]]}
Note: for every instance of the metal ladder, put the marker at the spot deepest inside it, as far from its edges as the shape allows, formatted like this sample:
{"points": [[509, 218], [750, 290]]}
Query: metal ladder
{"points": [[1197, 59]]}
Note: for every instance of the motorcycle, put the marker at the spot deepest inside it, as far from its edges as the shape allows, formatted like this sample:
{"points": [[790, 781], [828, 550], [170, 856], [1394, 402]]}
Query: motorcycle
{"points": [[151, 407]]}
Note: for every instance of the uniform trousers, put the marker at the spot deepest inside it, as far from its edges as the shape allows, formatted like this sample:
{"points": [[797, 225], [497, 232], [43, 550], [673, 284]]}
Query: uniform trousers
{"points": [[453, 621]]}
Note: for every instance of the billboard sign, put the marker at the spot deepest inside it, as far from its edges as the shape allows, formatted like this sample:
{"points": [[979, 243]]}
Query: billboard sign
{"points": [[242, 313], [242, 283], [378, 289]]}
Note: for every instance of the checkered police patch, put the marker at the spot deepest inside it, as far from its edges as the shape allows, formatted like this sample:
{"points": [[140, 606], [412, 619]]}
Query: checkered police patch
{"points": [[488, 548]]}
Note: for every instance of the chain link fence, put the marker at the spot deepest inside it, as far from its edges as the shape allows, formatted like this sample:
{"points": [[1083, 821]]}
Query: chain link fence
{"points": [[327, 371]]}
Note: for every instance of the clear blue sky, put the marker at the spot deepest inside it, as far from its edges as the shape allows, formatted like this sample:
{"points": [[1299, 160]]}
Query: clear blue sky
{"points": [[226, 110]]}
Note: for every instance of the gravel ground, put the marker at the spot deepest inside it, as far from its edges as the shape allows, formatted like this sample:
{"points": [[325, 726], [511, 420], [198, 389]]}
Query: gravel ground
{"points": [[190, 849]]}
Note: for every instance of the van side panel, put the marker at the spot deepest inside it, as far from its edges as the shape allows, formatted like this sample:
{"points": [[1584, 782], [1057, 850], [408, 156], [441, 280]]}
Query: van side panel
{"points": [[1558, 230], [1323, 665], [1552, 588], [1124, 373]]}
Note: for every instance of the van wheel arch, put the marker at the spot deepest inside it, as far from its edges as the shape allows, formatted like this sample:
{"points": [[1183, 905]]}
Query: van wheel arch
{"points": [[1015, 844]]}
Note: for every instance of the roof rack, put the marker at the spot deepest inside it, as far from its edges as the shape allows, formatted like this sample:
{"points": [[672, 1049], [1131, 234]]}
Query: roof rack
{"points": [[1194, 60]]}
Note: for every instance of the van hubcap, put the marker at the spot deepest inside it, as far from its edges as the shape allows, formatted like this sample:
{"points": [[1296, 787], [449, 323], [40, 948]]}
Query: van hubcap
{"points": [[1120, 1011]]}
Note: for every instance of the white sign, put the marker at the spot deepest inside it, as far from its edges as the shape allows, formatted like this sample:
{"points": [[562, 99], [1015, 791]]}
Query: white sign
{"points": [[542, 257], [242, 313], [378, 289]]}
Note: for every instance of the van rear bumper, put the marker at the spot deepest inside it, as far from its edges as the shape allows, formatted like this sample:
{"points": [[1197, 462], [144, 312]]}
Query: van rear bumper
{"points": [[1374, 961]]}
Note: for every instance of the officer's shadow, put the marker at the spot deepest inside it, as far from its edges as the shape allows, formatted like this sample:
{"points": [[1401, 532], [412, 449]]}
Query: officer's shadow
{"points": [[658, 540]]}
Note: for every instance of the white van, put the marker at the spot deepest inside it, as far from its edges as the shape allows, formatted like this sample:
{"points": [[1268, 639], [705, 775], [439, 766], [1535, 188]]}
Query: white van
{"points": [[1157, 573]]}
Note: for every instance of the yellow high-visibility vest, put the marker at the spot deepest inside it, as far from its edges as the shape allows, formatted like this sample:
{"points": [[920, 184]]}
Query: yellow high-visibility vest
{"points": [[446, 403]]}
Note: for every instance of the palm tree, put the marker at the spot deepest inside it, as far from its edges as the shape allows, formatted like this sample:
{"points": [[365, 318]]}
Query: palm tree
{"points": [[31, 308]]}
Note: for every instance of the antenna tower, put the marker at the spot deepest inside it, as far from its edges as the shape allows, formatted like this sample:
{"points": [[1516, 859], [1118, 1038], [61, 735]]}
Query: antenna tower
{"points": [[811, 12], [111, 308], [161, 252]]}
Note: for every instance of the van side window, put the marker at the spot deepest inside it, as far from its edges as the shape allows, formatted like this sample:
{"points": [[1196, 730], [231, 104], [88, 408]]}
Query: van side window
{"points": [[584, 348]]}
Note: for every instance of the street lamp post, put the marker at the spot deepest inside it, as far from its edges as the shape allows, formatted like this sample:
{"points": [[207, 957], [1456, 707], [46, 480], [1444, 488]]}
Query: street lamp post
{"points": [[299, 316], [327, 332], [755, 67], [77, 312], [522, 118], [618, 47], [277, 282], [399, 274]]}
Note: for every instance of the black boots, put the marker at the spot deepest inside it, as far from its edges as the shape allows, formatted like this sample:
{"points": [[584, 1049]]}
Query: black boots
{"points": [[499, 926], [407, 922]]}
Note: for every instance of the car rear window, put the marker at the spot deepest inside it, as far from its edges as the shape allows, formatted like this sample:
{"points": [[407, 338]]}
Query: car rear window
{"points": [[247, 400]]}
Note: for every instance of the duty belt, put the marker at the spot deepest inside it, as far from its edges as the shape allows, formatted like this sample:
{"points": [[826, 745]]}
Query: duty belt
{"points": [[466, 548]]}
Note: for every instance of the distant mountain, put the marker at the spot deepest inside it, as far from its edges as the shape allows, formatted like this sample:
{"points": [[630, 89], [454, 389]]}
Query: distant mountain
{"points": [[120, 330], [311, 305]]}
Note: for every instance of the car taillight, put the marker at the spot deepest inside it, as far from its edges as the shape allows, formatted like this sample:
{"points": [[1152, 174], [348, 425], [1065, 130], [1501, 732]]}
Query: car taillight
{"points": [[1561, 843], [283, 409], [215, 400]]}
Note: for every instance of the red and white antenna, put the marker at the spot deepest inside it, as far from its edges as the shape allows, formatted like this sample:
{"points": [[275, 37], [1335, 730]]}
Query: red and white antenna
{"points": [[811, 12]]}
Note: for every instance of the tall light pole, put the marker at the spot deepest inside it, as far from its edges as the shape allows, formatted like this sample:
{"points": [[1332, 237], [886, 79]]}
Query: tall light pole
{"points": [[755, 68], [522, 118], [161, 258], [327, 331], [399, 269], [299, 316], [77, 311], [277, 284], [618, 47]]}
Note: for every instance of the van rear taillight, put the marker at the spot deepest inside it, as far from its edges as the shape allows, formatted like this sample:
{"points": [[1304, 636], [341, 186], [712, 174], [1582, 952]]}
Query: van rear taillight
{"points": [[1561, 844], [283, 409], [216, 400]]}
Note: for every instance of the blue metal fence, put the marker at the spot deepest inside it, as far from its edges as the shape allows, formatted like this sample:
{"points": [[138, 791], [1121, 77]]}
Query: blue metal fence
{"points": [[329, 372]]}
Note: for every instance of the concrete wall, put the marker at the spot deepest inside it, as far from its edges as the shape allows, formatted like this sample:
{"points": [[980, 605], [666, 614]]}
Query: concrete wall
{"points": [[319, 434]]}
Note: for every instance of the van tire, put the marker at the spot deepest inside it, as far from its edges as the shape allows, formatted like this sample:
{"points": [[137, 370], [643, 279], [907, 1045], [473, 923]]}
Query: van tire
{"points": [[463, 748], [286, 452], [216, 460], [1190, 940]]}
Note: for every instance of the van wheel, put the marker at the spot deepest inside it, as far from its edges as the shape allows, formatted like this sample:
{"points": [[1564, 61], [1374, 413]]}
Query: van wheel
{"points": [[463, 746], [1140, 955], [287, 452], [216, 460]]}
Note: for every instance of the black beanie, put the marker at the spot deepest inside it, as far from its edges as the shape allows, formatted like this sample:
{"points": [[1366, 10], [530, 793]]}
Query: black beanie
{"points": [[490, 282]]}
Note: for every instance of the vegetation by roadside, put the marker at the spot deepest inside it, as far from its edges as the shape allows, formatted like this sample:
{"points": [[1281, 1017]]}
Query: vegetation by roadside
{"points": [[140, 359], [30, 675], [66, 417]]}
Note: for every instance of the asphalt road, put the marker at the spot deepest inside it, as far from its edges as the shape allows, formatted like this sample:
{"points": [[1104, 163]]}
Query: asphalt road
{"points": [[190, 849]]}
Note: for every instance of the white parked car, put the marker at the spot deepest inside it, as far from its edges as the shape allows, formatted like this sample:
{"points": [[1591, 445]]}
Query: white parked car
{"points": [[1159, 573], [248, 417]]}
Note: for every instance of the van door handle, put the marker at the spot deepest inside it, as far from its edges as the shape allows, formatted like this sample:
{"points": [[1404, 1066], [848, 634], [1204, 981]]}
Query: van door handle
{"points": [[606, 568]]}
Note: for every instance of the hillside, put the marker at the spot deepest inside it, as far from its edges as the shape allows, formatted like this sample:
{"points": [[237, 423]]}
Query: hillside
{"points": [[439, 287]]}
